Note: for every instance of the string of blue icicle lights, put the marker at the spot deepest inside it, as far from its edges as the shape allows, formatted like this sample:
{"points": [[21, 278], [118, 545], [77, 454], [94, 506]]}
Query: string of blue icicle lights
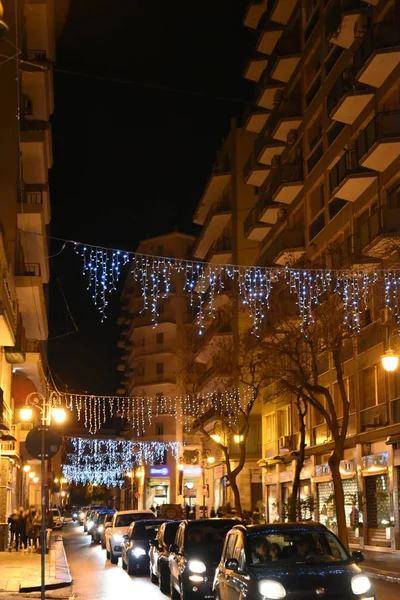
{"points": [[106, 462], [254, 284]]}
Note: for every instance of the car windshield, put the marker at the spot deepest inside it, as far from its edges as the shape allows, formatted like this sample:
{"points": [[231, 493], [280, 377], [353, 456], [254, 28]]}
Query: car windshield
{"points": [[275, 548], [126, 520], [206, 539], [145, 532]]}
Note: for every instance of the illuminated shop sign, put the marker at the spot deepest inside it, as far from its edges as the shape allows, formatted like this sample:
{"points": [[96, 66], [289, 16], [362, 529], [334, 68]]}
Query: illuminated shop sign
{"points": [[159, 471], [192, 471]]}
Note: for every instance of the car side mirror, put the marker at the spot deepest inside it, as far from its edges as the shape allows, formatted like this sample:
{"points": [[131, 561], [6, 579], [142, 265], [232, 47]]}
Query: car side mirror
{"points": [[232, 564], [125, 537], [173, 548], [357, 556], [154, 543]]}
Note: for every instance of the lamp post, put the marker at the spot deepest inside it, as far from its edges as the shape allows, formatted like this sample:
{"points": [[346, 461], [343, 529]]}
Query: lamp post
{"points": [[49, 408]]}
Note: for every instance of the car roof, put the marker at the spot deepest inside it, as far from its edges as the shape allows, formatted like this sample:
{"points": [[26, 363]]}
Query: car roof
{"points": [[283, 527], [135, 512], [197, 522], [151, 521]]}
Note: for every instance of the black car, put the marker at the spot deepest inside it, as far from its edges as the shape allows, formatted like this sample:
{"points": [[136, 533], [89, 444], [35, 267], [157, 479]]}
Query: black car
{"points": [[99, 518], [288, 560], [135, 550], [195, 555], [159, 555]]}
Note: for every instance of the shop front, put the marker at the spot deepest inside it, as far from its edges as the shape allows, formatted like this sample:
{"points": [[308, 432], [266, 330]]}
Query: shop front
{"points": [[192, 487], [158, 486]]}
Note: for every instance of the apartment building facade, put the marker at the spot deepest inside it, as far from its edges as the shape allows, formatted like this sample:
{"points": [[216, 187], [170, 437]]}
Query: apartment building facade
{"points": [[326, 160], [222, 213], [151, 367], [26, 105]]}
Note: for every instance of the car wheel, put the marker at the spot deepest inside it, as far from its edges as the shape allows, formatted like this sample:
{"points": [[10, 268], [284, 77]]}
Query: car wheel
{"points": [[131, 568], [108, 555], [113, 558]]}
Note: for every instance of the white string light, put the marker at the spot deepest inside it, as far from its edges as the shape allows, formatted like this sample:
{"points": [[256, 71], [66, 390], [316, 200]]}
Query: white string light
{"points": [[254, 284], [106, 462], [140, 411]]}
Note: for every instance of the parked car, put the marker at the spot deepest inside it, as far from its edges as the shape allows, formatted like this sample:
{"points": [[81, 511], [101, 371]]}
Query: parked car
{"points": [[159, 555], [98, 523], [135, 550], [194, 556], [288, 560], [58, 519], [106, 523], [119, 527]]}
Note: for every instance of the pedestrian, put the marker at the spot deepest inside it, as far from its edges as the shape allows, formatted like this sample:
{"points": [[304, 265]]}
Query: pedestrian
{"points": [[13, 522], [30, 529], [213, 514], [37, 524], [22, 527]]}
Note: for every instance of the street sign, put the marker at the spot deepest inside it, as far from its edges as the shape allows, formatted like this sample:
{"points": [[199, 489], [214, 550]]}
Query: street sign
{"points": [[225, 481], [52, 442], [137, 495]]}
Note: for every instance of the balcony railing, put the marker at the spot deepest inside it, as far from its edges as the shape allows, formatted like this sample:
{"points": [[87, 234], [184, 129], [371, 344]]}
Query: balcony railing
{"points": [[223, 244], [315, 156], [154, 379], [152, 349], [382, 127], [285, 175], [33, 194], [381, 36], [381, 232], [37, 56], [28, 270], [313, 89], [287, 239], [345, 166], [218, 326], [34, 125]]}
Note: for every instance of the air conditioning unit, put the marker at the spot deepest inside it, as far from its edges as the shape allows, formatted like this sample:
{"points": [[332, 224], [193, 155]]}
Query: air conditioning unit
{"points": [[292, 136], [285, 442], [276, 161]]}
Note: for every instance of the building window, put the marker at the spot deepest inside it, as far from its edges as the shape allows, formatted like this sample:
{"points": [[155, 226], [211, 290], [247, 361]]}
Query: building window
{"points": [[283, 421], [337, 398], [393, 196], [159, 368], [159, 338], [372, 386], [159, 429], [316, 200], [269, 428], [312, 67]]}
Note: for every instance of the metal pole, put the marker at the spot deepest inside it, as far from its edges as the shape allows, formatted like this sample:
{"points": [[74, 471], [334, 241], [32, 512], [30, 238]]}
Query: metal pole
{"points": [[43, 523]]}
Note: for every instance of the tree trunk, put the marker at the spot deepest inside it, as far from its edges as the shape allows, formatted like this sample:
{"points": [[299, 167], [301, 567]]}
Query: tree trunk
{"points": [[334, 464], [236, 495], [296, 480]]}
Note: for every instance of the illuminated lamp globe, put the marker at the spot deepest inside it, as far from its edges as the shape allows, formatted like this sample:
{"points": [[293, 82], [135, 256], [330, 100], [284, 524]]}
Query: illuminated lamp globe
{"points": [[390, 360], [26, 413], [58, 414], [211, 460], [216, 438], [32, 474], [35, 479], [27, 468]]}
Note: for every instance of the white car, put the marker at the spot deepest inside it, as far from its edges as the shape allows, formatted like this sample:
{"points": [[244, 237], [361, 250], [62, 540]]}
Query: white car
{"points": [[119, 527], [58, 519]]}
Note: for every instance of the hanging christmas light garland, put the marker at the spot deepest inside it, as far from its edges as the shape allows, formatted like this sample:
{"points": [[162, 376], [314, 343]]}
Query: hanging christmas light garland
{"points": [[106, 462], [140, 411], [103, 267]]}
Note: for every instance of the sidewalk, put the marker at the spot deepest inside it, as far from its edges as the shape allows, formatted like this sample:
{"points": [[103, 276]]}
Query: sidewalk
{"points": [[21, 572], [382, 565]]}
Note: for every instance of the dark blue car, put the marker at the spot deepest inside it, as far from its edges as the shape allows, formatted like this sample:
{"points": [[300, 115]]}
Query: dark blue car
{"points": [[297, 561]]}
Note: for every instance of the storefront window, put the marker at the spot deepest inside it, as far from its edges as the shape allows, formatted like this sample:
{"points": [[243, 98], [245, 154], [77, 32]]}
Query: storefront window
{"points": [[326, 505], [272, 505]]}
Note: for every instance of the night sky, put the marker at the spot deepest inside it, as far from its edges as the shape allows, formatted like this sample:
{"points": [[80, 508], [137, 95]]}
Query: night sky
{"points": [[144, 92]]}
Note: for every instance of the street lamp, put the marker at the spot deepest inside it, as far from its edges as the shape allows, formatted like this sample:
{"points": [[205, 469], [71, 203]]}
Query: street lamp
{"points": [[390, 360], [49, 409]]}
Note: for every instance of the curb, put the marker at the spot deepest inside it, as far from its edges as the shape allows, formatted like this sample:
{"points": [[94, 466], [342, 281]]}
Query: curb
{"points": [[383, 575], [62, 577]]}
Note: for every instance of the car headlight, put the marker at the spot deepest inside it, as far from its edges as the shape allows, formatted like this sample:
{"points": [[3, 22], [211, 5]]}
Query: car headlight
{"points": [[138, 552], [90, 525], [271, 589], [74, 515], [196, 566], [117, 537], [360, 584], [100, 528]]}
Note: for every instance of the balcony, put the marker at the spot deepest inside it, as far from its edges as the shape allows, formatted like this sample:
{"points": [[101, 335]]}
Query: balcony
{"points": [[378, 145], [31, 300], [154, 379], [217, 219], [39, 27], [145, 319], [149, 349], [220, 252], [8, 315], [253, 173], [380, 234], [220, 369], [286, 249], [379, 54], [219, 332], [315, 156], [254, 12], [282, 10], [219, 179], [254, 118], [268, 91], [347, 99], [269, 35], [287, 183], [36, 150], [255, 68], [265, 148], [346, 23], [254, 230], [287, 58], [31, 221], [288, 119], [266, 210], [348, 180], [350, 255]]}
